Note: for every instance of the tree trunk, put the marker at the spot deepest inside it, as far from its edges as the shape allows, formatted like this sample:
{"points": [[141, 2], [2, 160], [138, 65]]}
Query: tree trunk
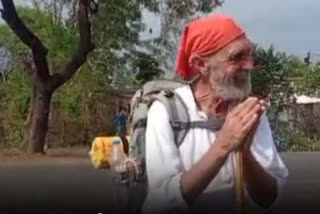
{"points": [[39, 122], [44, 81]]}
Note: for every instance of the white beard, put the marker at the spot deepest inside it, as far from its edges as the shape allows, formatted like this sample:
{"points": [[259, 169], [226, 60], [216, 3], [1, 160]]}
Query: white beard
{"points": [[231, 90]]}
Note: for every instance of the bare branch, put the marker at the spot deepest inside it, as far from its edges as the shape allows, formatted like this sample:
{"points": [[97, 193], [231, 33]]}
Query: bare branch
{"points": [[39, 52], [85, 46]]}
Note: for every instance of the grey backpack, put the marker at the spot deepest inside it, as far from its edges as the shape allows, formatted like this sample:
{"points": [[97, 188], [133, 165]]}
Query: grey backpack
{"points": [[163, 91]]}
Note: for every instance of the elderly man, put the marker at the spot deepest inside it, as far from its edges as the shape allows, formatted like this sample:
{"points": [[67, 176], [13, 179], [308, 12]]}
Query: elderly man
{"points": [[214, 55]]}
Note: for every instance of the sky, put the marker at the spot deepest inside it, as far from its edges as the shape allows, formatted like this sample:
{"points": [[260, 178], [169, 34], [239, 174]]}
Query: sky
{"points": [[291, 25]]}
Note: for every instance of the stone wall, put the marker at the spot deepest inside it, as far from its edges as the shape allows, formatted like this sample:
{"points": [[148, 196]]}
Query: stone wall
{"points": [[305, 117]]}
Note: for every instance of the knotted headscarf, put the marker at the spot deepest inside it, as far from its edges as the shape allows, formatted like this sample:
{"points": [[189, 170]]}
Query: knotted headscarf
{"points": [[202, 37]]}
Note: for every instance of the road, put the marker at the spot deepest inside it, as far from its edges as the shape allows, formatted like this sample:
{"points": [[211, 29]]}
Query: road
{"points": [[302, 192], [74, 186]]}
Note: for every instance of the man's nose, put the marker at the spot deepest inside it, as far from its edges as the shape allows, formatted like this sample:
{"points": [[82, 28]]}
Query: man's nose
{"points": [[247, 63]]}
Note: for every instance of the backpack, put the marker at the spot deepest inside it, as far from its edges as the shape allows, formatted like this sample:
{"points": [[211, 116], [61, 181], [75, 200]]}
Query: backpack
{"points": [[163, 91]]}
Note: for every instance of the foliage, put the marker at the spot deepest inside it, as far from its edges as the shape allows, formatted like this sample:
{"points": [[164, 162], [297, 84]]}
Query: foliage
{"points": [[116, 56], [74, 99], [310, 81], [173, 15], [304, 78], [270, 78], [298, 140], [55, 36], [15, 100], [121, 59], [277, 78], [296, 67], [16, 92], [145, 67]]}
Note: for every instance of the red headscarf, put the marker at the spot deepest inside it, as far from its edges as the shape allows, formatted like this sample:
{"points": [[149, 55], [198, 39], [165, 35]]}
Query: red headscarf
{"points": [[204, 36]]}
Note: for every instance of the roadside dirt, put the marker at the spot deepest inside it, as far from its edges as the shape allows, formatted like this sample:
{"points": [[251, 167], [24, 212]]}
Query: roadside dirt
{"points": [[52, 153]]}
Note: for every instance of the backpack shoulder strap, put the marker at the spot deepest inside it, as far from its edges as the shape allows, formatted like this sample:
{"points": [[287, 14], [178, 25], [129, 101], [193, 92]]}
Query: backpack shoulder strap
{"points": [[211, 124], [178, 113], [179, 116]]}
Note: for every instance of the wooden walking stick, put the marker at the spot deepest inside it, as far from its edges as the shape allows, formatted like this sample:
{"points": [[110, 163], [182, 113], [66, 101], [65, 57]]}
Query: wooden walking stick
{"points": [[238, 181], [238, 174]]}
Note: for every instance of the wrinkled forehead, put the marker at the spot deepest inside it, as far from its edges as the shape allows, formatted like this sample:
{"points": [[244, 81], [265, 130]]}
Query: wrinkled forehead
{"points": [[240, 45]]}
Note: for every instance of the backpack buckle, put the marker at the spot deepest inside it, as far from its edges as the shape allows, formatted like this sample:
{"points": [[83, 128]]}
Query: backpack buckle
{"points": [[178, 125], [168, 93]]}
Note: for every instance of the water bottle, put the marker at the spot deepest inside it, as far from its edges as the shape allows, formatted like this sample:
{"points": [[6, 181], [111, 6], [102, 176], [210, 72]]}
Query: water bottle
{"points": [[119, 174]]}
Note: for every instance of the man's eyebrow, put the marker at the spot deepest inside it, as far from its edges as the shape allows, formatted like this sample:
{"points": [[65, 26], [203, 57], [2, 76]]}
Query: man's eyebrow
{"points": [[246, 49], [233, 53]]}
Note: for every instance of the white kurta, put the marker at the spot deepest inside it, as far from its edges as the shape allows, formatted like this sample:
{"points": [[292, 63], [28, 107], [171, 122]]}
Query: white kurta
{"points": [[166, 163]]}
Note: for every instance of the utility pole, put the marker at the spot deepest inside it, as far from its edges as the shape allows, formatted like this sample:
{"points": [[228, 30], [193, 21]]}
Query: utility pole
{"points": [[307, 59]]}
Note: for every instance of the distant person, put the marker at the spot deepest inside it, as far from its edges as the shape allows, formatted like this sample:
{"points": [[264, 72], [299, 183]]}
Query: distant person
{"points": [[120, 127], [197, 177]]}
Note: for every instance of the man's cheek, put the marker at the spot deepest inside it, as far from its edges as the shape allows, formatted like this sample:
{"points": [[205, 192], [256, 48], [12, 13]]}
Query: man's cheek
{"points": [[233, 69]]}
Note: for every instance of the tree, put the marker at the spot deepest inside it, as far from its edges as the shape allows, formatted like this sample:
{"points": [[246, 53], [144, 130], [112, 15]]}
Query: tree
{"points": [[305, 79], [127, 60], [270, 78], [296, 67], [45, 79], [310, 80], [271, 81], [174, 14], [120, 58], [145, 67]]}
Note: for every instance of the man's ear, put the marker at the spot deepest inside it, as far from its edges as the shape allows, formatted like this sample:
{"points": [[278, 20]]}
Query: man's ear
{"points": [[198, 64]]}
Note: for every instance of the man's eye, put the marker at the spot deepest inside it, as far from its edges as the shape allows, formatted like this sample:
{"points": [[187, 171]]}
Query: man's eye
{"points": [[237, 56]]}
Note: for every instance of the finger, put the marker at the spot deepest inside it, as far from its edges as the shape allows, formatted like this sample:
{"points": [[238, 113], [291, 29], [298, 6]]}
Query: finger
{"points": [[250, 135], [245, 107], [241, 106], [244, 120], [253, 130], [249, 105], [263, 107], [248, 125], [237, 109], [262, 110], [256, 109], [262, 102]]}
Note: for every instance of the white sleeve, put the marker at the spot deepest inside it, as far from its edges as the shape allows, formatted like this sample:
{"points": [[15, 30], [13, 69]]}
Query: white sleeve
{"points": [[265, 152], [164, 169]]}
